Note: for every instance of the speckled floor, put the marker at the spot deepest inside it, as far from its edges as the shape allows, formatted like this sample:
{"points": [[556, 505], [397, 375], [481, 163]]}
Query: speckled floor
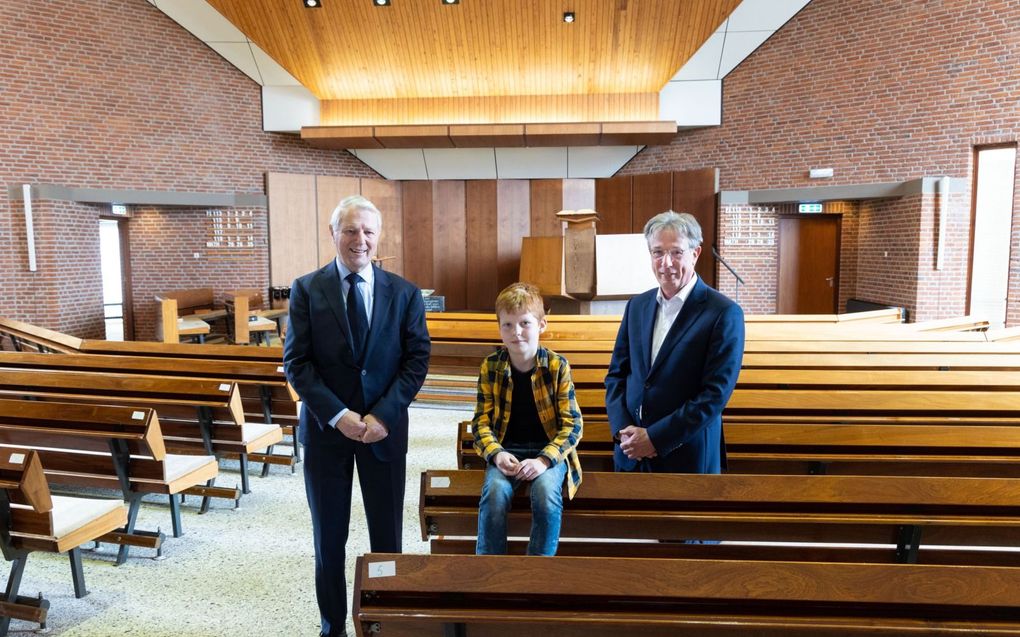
{"points": [[235, 572]]}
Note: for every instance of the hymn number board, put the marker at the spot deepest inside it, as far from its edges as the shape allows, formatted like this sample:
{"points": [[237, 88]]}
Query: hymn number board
{"points": [[231, 233]]}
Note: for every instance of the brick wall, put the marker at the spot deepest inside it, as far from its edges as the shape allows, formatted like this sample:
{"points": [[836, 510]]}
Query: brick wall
{"points": [[114, 94], [879, 91]]}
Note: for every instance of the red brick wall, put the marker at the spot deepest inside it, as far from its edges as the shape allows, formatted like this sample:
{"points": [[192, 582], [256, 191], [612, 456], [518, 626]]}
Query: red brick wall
{"points": [[879, 91], [114, 94]]}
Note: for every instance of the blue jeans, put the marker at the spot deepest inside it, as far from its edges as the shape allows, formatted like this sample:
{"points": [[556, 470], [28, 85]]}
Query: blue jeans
{"points": [[546, 507]]}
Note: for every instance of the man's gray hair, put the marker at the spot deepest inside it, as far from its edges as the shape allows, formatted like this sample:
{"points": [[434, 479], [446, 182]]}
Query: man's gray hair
{"points": [[682, 223], [354, 202]]}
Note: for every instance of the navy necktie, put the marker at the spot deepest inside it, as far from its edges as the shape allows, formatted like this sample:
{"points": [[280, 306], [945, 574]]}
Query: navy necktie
{"points": [[356, 315]]}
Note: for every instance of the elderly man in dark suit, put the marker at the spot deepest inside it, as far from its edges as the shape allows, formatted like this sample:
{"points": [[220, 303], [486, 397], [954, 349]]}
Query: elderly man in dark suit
{"points": [[676, 360], [357, 351]]}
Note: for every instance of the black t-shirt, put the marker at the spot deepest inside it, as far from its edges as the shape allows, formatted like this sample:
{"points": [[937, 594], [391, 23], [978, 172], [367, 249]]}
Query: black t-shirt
{"points": [[524, 428]]}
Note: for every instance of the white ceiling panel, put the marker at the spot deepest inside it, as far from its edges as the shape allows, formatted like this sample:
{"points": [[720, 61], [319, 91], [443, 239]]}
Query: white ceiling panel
{"points": [[286, 109], [763, 15], [272, 73], [739, 45], [692, 103], [704, 64], [531, 163], [599, 161], [204, 22], [394, 163], [238, 54], [460, 163]]}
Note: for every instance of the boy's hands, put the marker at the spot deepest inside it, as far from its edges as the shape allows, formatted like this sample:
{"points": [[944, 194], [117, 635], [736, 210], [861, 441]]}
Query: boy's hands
{"points": [[531, 469], [507, 463]]}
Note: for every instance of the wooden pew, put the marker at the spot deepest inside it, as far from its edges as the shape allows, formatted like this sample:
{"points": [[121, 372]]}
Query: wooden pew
{"points": [[904, 516], [889, 448], [196, 416], [186, 313], [265, 393], [496, 596], [247, 316], [100, 446], [31, 519], [183, 350], [32, 337]]}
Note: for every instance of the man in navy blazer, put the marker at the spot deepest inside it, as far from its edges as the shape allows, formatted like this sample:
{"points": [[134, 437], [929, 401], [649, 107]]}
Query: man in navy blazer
{"points": [[675, 362], [357, 351]]}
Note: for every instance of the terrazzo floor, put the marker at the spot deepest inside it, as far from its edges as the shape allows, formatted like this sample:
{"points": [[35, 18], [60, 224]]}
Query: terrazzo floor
{"points": [[238, 572]]}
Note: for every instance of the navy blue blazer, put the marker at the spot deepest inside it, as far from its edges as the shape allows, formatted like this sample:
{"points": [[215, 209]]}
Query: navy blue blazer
{"points": [[321, 366], [681, 396]]}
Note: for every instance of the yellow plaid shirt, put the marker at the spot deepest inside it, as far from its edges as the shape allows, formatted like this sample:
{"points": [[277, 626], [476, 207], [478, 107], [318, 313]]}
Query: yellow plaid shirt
{"points": [[554, 400]]}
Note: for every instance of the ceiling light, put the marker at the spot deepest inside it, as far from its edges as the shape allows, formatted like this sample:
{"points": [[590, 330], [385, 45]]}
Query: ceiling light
{"points": [[381, 3], [451, 1], [568, 16], [313, 4]]}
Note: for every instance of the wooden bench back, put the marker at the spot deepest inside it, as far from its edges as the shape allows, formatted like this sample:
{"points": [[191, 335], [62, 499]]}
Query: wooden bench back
{"points": [[868, 509], [21, 475], [183, 350], [432, 595], [39, 338]]}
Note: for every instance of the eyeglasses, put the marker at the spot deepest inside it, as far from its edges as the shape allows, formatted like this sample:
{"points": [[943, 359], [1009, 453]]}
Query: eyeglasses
{"points": [[675, 255]]}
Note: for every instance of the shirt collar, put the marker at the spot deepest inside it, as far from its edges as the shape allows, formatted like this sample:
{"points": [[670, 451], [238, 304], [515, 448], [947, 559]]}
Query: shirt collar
{"points": [[367, 273], [680, 297]]}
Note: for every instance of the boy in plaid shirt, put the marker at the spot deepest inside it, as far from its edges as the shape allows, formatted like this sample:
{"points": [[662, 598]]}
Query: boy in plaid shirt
{"points": [[535, 441]]}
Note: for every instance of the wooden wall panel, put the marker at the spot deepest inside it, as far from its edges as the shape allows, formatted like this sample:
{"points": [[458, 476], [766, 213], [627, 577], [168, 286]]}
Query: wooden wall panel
{"points": [[385, 195], [578, 194], [653, 193], [613, 203], [513, 224], [482, 244], [329, 192], [416, 197], [291, 201], [695, 191], [546, 201], [449, 238]]}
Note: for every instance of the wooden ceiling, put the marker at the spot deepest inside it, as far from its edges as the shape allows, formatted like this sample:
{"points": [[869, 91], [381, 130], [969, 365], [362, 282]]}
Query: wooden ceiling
{"points": [[415, 49]]}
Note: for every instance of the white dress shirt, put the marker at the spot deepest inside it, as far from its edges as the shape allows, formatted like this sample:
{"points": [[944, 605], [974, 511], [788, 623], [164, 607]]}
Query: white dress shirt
{"points": [[669, 309]]}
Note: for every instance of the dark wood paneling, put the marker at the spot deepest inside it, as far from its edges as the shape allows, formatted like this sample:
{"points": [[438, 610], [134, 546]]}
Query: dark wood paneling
{"points": [[385, 195], [417, 214], [694, 191], [612, 202], [546, 201], [578, 194], [653, 193], [514, 223], [449, 239], [482, 245]]}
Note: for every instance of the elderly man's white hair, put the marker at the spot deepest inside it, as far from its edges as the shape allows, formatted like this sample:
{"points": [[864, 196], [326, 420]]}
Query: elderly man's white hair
{"points": [[354, 202]]}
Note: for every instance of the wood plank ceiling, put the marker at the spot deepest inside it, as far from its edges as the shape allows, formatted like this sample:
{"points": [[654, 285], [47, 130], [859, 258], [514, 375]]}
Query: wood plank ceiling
{"points": [[420, 62]]}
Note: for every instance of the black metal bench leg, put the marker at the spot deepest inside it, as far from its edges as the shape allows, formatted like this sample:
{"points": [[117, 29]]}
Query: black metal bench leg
{"points": [[206, 499], [77, 573], [908, 543], [454, 630], [133, 506], [175, 514], [244, 474], [13, 584]]}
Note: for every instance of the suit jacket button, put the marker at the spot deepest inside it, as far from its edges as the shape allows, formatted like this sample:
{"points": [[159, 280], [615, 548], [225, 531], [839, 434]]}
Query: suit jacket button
{"points": [[364, 372]]}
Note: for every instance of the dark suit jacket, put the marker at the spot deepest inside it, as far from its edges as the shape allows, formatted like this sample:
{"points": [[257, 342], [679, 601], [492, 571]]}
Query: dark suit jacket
{"points": [[681, 396], [322, 368]]}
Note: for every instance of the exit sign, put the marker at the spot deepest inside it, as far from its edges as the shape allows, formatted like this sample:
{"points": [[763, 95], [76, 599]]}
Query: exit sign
{"points": [[809, 207]]}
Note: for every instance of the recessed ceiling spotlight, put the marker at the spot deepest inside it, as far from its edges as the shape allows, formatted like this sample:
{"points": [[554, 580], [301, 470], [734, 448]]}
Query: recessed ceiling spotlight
{"points": [[313, 4], [381, 3], [451, 1], [568, 16]]}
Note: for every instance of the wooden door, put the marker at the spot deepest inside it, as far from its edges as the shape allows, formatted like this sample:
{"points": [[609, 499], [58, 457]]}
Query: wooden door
{"points": [[808, 281]]}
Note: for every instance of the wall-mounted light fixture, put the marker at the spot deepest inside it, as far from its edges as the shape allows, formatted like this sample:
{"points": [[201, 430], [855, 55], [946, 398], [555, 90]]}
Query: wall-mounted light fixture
{"points": [[568, 16]]}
